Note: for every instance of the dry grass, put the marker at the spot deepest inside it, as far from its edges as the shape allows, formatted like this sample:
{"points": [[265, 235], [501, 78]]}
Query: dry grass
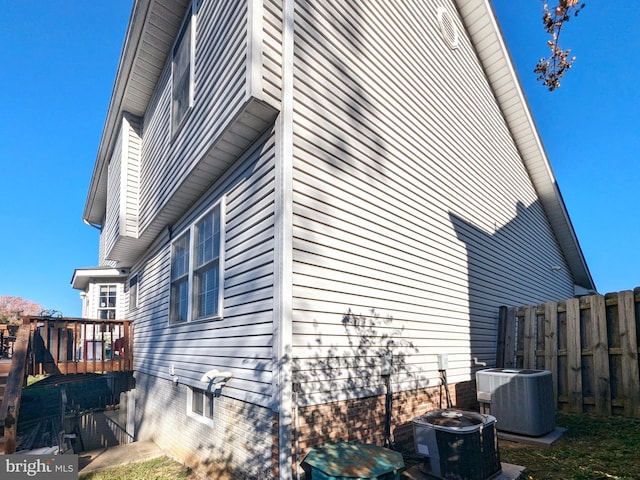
{"points": [[591, 449], [162, 468]]}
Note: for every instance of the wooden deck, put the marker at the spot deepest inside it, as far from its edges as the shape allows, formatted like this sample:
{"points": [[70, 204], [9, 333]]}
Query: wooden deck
{"points": [[75, 345], [58, 346]]}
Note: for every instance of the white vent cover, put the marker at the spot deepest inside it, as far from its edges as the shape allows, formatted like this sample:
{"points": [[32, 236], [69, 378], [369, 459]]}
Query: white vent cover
{"points": [[448, 28]]}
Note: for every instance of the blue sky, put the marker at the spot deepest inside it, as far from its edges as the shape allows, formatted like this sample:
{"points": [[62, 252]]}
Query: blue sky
{"points": [[590, 126], [59, 63], [59, 60]]}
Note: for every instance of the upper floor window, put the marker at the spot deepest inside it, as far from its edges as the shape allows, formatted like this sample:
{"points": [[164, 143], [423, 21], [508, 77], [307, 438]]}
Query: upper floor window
{"points": [[196, 274], [133, 292], [107, 302], [182, 71]]}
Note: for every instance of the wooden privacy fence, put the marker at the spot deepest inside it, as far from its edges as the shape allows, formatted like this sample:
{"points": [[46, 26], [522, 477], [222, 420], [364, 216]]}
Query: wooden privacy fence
{"points": [[590, 345]]}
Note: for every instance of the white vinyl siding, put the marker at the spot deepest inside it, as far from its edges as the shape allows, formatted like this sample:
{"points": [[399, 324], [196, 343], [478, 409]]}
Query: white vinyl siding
{"points": [[121, 222], [219, 73], [130, 175], [414, 217], [271, 37], [221, 90], [240, 341], [111, 227]]}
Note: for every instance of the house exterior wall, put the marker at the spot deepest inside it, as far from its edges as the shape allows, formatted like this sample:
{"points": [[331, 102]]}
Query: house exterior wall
{"points": [[414, 219], [414, 216], [111, 229], [240, 341], [222, 85], [121, 220], [153, 178], [241, 439], [237, 62], [363, 419], [238, 446], [130, 175]]}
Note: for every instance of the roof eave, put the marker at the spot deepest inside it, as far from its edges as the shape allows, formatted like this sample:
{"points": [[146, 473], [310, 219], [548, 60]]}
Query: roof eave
{"points": [[82, 276], [96, 197]]}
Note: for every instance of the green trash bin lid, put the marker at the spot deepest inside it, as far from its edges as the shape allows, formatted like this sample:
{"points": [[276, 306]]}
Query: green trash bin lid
{"points": [[353, 460]]}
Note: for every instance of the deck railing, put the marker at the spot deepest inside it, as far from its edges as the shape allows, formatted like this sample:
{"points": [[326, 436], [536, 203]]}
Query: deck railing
{"points": [[78, 345], [59, 346], [13, 391]]}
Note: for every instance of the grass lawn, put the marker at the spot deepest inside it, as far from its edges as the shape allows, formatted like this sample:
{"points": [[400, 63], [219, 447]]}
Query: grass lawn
{"points": [[590, 449], [162, 468]]}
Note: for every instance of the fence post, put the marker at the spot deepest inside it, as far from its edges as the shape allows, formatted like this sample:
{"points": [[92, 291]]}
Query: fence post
{"points": [[602, 382], [510, 338], [502, 329], [574, 356], [551, 344], [629, 345], [529, 347]]}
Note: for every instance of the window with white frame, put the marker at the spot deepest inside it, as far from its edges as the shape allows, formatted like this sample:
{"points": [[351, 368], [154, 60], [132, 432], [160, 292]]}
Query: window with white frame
{"points": [[133, 292], [196, 274], [182, 66], [107, 302], [200, 405]]}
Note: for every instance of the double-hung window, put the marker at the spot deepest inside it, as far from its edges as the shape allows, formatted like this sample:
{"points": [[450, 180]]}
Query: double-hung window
{"points": [[107, 302], [196, 275], [182, 66]]}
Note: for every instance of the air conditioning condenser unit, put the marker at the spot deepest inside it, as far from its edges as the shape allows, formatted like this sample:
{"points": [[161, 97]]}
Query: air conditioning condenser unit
{"points": [[521, 400], [457, 445]]}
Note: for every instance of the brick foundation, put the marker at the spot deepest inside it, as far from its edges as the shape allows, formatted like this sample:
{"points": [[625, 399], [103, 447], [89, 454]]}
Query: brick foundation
{"points": [[243, 443], [363, 420], [239, 445]]}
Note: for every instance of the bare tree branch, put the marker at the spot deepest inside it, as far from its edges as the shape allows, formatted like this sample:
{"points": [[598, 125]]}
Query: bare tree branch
{"points": [[552, 68]]}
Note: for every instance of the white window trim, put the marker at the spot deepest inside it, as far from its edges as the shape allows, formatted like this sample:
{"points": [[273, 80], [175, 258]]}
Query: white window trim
{"points": [[190, 19], [207, 401], [191, 230]]}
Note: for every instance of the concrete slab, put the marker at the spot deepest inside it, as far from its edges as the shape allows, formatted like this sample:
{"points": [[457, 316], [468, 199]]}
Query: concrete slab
{"points": [[96, 460], [543, 441], [509, 472]]}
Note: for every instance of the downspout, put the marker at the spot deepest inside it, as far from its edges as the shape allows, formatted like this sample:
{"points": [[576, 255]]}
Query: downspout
{"points": [[283, 270]]}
